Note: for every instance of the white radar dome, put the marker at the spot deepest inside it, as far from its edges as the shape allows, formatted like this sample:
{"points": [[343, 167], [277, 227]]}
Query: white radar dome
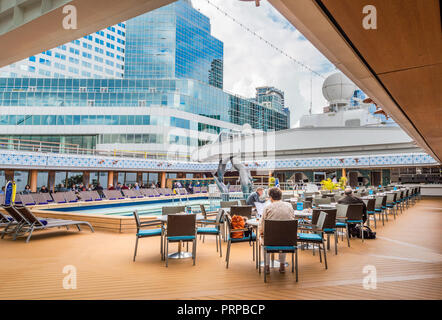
{"points": [[337, 88], [246, 128]]}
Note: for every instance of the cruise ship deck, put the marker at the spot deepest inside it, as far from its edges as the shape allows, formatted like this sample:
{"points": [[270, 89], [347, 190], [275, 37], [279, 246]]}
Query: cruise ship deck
{"points": [[407, 255]]}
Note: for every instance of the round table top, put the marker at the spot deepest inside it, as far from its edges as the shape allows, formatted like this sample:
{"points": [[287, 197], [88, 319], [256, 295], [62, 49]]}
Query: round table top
{"points": [[164, 218], [331, 205], [254, 222]]}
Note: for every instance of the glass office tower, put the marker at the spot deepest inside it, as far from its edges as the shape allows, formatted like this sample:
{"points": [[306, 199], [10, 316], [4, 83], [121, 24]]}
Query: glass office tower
{"points": [[169, 100], [173, 42], [98, 55]]}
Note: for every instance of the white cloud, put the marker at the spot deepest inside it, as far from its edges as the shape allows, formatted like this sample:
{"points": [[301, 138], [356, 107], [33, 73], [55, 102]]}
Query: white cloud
{"points": [[249, 62]]}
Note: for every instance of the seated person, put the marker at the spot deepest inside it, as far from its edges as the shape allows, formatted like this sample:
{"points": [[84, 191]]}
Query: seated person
{"points": [[254, 197], [349, 198], [276, 210]]}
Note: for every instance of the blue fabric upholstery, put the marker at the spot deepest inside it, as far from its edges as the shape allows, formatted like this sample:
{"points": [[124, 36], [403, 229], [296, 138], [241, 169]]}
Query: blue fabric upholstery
{"points": [[207, 220], [279, 248], [149, 232], [208, 230], [340, 224], [329, 230], [354, 221], [243, 238], [43, 222], [309, 237], [378, 210], [370, 212], [181, 238]]}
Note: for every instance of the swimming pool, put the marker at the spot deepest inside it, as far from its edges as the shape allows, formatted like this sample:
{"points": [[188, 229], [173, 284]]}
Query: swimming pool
{"points": [[143, 207]]}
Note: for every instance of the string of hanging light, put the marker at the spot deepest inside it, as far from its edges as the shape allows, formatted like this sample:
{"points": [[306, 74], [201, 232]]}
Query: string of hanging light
{"points": [[301, 64]]}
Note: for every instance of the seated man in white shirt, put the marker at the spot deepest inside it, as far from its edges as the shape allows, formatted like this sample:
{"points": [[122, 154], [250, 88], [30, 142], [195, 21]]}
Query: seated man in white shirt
{"points": [[276, 210]]}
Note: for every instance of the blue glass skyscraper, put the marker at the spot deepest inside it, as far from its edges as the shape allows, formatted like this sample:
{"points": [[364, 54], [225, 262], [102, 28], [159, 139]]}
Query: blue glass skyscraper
{"points": [[169, 100], [173, 42]]}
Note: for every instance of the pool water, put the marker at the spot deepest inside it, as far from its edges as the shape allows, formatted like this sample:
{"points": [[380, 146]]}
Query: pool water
{"points": [[143, 207]]}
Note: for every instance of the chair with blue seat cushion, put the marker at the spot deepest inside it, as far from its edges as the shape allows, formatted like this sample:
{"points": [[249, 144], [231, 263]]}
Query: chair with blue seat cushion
{"points": [[370, 203], [214, 230], [329, 226], [391, 205], [146, 233], [315, 235], [380, 206], [248, 236], [355, 216], [181, 228], [280, 236], [206, 220], [341, 216]]}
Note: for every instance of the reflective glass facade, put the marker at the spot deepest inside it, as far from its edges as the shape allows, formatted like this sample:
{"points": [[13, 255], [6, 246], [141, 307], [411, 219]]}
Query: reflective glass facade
{"points": [[186, 95], [171, 93], [173, 42]]}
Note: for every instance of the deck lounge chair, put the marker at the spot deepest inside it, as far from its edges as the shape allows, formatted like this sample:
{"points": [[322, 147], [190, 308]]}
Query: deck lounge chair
{"points": [[155, 193], [196, 189], [6, 222], [204, 189], [31, 223], [129, 194], [95, 196], [138, 193], [39, 198], [147, 192], [85, 195], [25, 199], [70, 196], [47, 197], [59, 197]]}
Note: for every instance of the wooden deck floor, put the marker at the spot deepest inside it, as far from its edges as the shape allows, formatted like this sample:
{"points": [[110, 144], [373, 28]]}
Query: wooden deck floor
{"points": [[407, 256]]}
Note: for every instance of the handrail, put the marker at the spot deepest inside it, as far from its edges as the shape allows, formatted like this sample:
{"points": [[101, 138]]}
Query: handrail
{"points": [[69, 148]]}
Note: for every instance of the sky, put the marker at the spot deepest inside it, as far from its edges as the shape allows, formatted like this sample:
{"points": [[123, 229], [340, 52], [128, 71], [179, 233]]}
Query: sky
{"points": [[249, 62]]}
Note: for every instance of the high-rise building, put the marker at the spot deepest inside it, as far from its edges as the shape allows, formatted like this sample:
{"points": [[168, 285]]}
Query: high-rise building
{"points": [[173, 42], [98, 55], [170, 98], [270, 97]]}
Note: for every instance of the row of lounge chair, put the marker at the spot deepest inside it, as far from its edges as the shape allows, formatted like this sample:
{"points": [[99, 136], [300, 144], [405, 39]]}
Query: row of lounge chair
{"points": [[32, 199], [20, 221], [234, 188]]}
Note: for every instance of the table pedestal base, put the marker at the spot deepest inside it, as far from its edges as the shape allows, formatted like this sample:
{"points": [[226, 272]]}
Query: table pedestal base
{"points": [[274, 264], [180, 255]]}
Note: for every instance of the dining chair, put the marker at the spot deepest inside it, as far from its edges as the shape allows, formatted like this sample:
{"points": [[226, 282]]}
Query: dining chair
{"points": [[215, 230], [152, 232], [280, 236], [181, 228], [315, 235], [248, 236]]}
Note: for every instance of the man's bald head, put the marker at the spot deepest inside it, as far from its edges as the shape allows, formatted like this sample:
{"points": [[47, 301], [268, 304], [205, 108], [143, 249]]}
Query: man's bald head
{"points": [[348, 191]]}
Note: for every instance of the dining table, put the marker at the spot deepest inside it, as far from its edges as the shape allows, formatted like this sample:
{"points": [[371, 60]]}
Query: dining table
{"points": [[179, 254], [254, 223]]}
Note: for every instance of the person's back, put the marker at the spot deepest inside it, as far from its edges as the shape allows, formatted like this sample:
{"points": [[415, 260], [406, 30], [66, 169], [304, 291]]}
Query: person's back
{"points": [[278, 210], [254, 197], [349, 198]]}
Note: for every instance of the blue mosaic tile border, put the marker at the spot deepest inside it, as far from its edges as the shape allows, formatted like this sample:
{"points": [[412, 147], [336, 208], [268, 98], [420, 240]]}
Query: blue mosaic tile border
{"points": [[23, 159]]}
